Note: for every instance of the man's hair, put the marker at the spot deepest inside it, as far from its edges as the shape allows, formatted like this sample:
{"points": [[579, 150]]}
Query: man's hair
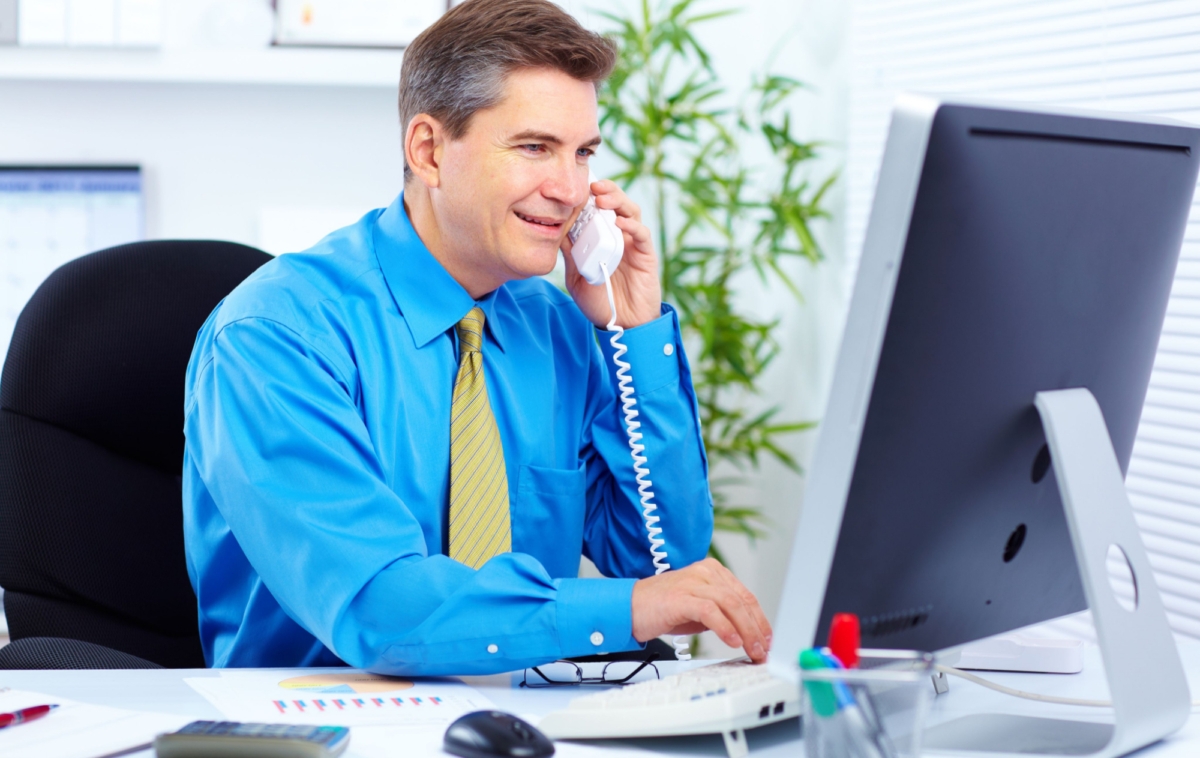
{"points": [[459, 65]]}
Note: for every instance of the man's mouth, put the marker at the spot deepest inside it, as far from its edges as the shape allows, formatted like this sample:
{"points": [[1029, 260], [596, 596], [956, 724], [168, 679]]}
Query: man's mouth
{"points": [[549, 224]]}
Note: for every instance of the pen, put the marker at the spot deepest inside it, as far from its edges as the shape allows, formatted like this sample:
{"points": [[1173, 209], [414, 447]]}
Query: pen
{"points": [[25, 714]]}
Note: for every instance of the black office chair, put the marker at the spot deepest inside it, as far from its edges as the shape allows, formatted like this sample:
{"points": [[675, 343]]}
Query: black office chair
{"points": [[91, 448]]}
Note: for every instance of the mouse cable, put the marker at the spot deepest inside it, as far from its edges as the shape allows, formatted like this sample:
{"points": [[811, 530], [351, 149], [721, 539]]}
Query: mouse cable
{"points": [[636, 448], [1029, 695]]}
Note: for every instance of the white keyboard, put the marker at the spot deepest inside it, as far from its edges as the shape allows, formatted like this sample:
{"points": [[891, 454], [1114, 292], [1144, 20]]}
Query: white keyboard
{"points": [[723, 698]]}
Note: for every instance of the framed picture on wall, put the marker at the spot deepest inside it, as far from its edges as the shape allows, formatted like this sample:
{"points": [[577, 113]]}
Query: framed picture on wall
{"points": [[353, 23]]}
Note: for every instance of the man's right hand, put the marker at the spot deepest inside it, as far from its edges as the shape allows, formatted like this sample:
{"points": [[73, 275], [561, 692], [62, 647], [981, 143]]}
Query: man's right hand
{"points": [[703, 596]]}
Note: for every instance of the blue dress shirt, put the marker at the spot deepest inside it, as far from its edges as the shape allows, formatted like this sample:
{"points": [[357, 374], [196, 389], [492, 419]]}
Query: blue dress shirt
{"points": [[316, 471]]}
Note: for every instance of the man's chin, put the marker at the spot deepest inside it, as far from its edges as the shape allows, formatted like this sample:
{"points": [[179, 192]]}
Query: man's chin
{"points": [[533, 264]]}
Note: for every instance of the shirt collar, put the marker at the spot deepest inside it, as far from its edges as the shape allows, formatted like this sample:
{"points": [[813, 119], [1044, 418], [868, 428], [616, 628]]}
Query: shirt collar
{"points": [[430, 300]]}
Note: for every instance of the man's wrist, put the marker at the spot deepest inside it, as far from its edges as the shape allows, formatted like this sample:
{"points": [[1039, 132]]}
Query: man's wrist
{"points": [[655, 351], [595, 616]]}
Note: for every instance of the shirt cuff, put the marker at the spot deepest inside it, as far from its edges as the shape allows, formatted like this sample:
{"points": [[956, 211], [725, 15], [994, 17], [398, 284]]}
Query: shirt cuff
{"points": [[654, 353], [595, 616]]}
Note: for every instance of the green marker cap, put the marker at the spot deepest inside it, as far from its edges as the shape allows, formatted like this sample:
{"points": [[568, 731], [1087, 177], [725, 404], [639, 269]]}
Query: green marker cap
{"points": [[824, 702]]}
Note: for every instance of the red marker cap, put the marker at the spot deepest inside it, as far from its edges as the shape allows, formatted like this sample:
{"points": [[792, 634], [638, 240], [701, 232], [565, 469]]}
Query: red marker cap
{"points": [[844, 638]]}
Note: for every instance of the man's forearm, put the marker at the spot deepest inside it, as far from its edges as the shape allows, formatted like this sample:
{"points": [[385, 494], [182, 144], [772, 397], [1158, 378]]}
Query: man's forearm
{"points": [[435, 617]]}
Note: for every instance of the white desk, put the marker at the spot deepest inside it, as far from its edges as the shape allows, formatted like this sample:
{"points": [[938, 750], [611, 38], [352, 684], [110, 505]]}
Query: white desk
{"points": [[165, 691]]}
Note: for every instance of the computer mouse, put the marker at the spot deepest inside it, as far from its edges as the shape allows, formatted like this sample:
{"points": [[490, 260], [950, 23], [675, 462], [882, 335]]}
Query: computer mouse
{"points": [[493, 734]]}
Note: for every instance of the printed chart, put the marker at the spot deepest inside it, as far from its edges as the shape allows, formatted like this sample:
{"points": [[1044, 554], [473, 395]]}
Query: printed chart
{"points": [[355, 704], [341, 698]]}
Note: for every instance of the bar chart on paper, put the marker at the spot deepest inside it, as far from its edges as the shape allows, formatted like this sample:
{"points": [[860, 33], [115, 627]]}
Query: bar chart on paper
{"points": [[346, 698]]}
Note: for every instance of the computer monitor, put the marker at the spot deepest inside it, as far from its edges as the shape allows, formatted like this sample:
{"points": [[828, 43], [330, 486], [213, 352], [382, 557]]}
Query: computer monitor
{"points": [[52, 214], [1009, 251]]}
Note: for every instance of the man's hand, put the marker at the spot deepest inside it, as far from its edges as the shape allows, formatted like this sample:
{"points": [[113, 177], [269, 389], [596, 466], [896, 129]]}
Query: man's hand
{"points": [[636, 288], [702, 596]]}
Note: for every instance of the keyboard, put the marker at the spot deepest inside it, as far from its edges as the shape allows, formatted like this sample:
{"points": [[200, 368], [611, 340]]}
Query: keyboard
{"points": [[724, 698]]}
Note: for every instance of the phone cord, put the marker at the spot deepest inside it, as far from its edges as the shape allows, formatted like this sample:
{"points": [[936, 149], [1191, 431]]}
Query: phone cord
{"points": [[629, 403]]}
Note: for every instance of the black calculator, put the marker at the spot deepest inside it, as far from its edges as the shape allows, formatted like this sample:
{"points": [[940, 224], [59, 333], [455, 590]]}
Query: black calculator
{"points": [[217, 739]]}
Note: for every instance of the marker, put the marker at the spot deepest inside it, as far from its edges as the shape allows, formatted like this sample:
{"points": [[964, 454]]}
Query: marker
{"points": [[24, 715], [845, 638], [824, 702], [835, 700]]}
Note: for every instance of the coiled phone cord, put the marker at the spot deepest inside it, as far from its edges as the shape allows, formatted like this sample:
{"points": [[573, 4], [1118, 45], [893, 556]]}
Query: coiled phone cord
{"points": [[628, 407]]}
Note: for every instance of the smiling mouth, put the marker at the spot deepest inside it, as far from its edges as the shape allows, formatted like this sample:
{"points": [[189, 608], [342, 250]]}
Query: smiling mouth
{"points": [[544, 223]]}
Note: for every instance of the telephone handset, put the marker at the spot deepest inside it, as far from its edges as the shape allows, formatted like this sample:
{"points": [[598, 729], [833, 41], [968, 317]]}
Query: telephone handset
{"points": [[597, 245], [596, 241]]}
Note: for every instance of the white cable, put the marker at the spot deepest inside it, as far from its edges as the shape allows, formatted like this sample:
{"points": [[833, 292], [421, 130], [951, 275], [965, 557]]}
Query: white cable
{"points": [[1030, 695], [628, 406]]}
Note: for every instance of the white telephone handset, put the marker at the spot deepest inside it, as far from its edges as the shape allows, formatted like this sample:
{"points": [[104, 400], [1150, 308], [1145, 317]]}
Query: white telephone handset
{"points": [[596, 241], [597, 245]]}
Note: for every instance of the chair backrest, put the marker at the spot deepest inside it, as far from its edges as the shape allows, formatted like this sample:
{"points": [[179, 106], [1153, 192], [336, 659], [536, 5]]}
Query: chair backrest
{"points": [[91, 446]]}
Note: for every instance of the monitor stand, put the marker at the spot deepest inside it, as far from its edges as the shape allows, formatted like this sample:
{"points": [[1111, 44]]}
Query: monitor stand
{"points": [[1145, 676]]}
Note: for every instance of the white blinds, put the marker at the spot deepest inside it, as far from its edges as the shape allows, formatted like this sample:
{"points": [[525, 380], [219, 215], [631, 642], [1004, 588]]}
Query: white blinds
{"points": [[1141, 56]]}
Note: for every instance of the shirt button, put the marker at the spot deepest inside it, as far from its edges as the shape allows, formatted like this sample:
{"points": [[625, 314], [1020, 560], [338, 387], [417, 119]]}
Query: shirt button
{"points": [[668, 349], [493, 649], [597, 638]]}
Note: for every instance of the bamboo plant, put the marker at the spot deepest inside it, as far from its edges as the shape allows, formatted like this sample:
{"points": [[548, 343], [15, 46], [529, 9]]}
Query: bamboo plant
{"points": [[684, 149]]}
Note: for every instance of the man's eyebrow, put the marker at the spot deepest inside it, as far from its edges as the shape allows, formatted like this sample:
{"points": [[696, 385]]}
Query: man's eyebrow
{"points": [[535, 136]]}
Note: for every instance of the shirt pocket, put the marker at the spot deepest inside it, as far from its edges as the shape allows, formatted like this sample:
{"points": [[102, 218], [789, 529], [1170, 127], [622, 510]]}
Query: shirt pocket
{"points": [[547, 517]]}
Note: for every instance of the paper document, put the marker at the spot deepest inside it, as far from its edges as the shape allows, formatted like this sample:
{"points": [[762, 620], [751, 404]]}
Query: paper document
{"points": [[338, 697], [78, 730]]}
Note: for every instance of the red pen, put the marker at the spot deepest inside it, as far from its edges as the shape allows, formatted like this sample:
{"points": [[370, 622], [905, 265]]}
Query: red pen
{"points": [[25, 714]]}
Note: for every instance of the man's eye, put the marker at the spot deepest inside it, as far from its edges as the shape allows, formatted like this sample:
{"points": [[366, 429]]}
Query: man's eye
{"points": [[585, 152], [534, 148]]}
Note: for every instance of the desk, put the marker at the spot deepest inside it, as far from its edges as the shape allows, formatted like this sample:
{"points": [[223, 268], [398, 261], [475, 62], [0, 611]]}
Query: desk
{"points": [[165, 691]]}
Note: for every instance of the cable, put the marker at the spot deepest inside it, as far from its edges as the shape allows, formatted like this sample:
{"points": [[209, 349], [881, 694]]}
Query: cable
{"points": [[1029, 695], [628, 406]]}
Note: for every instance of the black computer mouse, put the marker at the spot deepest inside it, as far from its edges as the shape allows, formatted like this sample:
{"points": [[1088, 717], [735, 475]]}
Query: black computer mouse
{"points": [[492, 734]]}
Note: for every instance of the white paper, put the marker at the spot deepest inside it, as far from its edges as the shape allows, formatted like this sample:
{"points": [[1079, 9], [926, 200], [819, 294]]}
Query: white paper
{"points": [[289, 697], [78, 730]]}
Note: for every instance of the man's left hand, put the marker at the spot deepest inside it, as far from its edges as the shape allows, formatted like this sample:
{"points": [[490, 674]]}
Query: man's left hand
{"points": [[636, 288]]}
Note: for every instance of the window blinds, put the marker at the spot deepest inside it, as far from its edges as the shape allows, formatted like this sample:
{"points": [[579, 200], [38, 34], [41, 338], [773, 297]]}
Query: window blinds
{"points": [[1140, 56]]}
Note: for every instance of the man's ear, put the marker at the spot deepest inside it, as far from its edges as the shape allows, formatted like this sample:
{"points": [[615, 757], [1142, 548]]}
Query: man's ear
{"points": [[423, 148]]}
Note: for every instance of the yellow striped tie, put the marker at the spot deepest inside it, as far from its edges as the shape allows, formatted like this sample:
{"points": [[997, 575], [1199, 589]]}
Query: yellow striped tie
{"points": [[479, 522]]}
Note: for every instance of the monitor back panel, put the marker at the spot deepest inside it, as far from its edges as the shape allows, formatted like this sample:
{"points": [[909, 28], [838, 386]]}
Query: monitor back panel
{"points": [[1040, 255]]}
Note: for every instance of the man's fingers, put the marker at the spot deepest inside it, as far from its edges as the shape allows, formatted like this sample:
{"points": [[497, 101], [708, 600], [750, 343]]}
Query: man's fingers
{"points": [[744, 612], [710, 614], [750, 603], [743, 620], [611, 197]]}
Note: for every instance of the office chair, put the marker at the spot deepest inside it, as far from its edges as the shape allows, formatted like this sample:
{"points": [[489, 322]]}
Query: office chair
{"points": [[91, 449]]}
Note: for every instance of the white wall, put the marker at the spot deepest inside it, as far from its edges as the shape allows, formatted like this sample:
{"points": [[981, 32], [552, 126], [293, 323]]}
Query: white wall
{"points": [[214, 155]]}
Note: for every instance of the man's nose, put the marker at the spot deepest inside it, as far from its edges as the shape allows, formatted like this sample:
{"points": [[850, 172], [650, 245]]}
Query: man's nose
{"points": [[567, 185]]}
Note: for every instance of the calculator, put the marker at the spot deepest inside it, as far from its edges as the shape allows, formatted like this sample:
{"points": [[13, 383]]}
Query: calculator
{"points": [[220, 739]]}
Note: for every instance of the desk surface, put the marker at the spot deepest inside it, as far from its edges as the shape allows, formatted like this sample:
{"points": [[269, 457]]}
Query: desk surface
{"points": [[165, 691]]}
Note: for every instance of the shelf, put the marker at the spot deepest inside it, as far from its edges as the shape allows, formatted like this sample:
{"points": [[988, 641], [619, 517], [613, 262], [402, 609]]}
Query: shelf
{"points": [[287, 66]]}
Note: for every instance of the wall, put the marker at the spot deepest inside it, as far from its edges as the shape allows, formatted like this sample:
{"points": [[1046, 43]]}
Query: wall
{"points": [[214, 155]]}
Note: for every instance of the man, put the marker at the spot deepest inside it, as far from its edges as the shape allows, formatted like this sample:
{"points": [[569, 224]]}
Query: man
{"points": [[399, 444]]}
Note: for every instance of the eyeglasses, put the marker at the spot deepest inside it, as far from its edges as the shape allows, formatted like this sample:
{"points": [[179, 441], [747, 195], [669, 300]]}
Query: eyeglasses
{"points": [[566, 673]]}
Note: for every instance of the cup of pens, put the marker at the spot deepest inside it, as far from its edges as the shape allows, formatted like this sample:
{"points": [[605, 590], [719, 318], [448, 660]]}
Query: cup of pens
{"points": [[876, 709]]}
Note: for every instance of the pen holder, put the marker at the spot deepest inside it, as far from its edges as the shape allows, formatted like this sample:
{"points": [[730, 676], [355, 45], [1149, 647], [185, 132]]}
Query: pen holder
{"points": [[874, 711]]}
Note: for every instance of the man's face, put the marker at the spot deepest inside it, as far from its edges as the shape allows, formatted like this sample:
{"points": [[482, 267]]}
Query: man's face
{"points": [[508, 188]]}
